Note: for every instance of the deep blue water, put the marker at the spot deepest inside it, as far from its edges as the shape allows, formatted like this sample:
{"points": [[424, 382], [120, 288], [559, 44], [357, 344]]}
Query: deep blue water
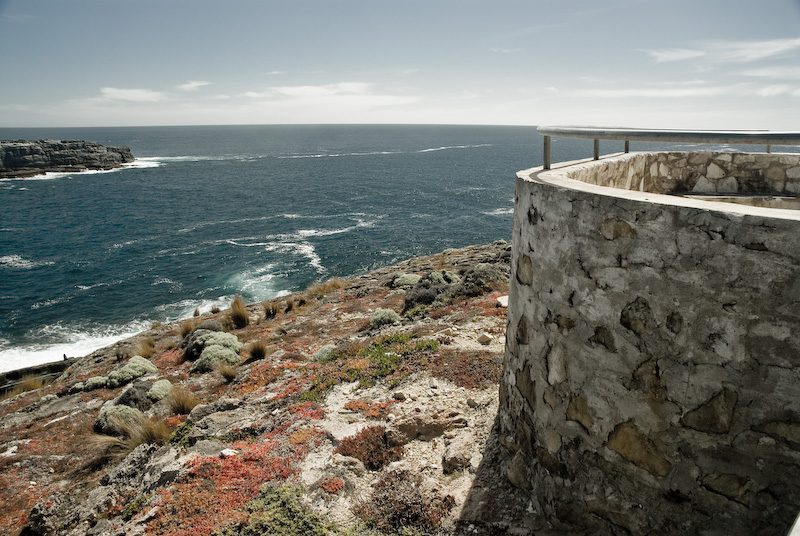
{"points": [[209, 212]]}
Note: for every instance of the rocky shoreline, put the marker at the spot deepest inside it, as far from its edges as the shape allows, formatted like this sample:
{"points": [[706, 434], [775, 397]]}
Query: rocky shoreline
{"points": [[358, 407], [21, 158]]}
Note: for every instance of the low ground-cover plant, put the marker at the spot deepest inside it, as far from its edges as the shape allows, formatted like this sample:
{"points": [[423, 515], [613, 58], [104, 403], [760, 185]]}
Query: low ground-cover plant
{"points": [[279, 511], [472, 369], [400, 504], [371, 447]]}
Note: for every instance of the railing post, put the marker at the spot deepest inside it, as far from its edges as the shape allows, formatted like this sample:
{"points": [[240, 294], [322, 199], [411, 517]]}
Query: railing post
{"points": [[769, 148], [546, 153], [627, 146], [597, 149]]}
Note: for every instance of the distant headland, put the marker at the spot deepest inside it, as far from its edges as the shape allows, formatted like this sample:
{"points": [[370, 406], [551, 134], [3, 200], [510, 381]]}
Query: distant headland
{"points": [[21, 158]]}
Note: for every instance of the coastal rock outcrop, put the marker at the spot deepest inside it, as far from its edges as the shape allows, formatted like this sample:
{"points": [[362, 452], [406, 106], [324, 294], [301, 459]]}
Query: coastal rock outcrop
{"points": [[21, 158]]}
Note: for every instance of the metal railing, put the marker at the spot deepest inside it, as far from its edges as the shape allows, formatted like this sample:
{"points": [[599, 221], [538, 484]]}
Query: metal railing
{"points": [[749, 137]]}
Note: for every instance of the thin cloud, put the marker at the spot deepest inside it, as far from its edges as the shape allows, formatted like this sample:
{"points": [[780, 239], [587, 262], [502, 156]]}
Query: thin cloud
{"points": [[192, 85], [786, 73], [728, 51], [774, 91], [674, 54], [670, 93], [131, 95], [274, 73]]}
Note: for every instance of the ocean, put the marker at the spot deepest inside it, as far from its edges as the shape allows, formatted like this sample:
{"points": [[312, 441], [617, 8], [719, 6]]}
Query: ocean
{"points": [[206, 213]]}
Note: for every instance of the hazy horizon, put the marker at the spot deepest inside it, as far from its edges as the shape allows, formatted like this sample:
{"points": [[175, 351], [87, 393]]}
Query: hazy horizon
{"points": [[634, 63]]}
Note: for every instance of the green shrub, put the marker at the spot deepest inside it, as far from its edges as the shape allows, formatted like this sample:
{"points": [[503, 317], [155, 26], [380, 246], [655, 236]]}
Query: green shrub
{"points": [[213, 355], [96, 382], [180, 436], [113, 417], [219, 338], [324, 354], [137, 366], [279, 511], [159, 390], [382, 317], [406, 281], [443, 277]]}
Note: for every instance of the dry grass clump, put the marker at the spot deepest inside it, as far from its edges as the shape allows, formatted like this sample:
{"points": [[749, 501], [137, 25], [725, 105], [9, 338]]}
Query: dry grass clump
{"points": [[271, 308], [239, 315], [257, 350], [28, 382], [187, 326], [181, 401], [400, 502], [136, 431], [146, 348], [228, 371], [371, 447]]}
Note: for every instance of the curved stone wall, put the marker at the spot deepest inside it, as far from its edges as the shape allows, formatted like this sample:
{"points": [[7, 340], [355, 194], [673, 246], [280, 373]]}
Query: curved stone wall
{"points": [[652, 377]]}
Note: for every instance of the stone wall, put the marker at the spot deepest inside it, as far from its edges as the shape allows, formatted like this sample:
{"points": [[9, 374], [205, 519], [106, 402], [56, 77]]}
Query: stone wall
{"points": [[652, 376]]}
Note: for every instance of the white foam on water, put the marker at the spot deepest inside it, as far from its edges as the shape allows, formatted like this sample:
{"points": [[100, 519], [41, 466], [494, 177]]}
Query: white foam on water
{"points": [[21, 263], [448, 147], [74, 342], [499, 211]]}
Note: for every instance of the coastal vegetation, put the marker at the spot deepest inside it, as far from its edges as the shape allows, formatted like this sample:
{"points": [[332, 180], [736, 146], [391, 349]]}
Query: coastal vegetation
{"points": [[212, 433]]}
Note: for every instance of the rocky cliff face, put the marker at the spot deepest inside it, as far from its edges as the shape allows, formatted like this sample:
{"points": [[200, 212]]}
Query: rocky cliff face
{"points": [[19, 158]]}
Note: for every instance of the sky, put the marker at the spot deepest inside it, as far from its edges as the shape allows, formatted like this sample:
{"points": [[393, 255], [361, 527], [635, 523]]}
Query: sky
{"points": [[699, 64]]}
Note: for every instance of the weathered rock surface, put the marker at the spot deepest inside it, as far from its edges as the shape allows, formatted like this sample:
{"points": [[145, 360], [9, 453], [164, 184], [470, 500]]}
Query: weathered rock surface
{"points": [[19, 158]]}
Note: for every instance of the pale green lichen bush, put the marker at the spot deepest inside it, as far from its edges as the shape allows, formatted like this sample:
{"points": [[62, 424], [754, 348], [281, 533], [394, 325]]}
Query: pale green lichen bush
{"points": [[214, 354], [443, 277], [95, 383], [324, 353], [135, 367], [382, 317], [112, 418], [159, 390], [405, 281], [220, 338]]}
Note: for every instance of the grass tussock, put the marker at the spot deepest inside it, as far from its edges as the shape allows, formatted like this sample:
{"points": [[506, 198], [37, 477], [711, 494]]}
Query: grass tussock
{"points": [[146, 348], [181, 401], [319, 290], [27, 383], [239, 315], [271, 309], [257, 350], [187, 326], [228, 371], [134, 432]]}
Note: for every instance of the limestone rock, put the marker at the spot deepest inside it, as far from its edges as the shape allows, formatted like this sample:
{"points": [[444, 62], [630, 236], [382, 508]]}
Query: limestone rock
{"points": [[458, 454], [423, 427], [20, 158], [485, 338]]}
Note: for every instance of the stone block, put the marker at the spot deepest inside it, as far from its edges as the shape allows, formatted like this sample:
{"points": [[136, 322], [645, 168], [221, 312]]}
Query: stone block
{"points": [[633, 445], [525, 270], [731, 486], [578, 411], [613, 229], [714, 415]]}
